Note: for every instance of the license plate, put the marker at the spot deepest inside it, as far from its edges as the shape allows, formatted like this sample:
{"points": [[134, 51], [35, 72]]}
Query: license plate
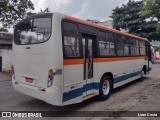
{"points": [[29, 80]]}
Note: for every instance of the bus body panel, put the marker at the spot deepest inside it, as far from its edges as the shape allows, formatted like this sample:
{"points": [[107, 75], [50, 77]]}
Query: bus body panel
{"points": [[56, 50], [130, 69], [51, 95], [29, 64], [35, 61]]}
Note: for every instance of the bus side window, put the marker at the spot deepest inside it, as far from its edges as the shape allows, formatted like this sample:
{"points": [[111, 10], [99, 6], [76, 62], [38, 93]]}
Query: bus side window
{"points": [[111, 41], [136, 46], [106, 44], [132, 43], [126, 46], [119, 45], [71, 40], [103, 44], [68, 51], [142, 47]]}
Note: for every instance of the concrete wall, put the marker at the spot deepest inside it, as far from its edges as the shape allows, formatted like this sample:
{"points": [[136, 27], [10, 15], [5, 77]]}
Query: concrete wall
{"points": [[6, 59]]}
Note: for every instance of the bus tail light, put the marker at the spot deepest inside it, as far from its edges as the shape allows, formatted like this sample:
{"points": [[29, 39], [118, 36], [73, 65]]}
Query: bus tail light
{"points": [[50, 77], [51, 74]]}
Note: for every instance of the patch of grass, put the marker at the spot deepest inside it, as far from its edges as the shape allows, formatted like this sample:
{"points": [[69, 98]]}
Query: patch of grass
{"points": [[122, 110]]}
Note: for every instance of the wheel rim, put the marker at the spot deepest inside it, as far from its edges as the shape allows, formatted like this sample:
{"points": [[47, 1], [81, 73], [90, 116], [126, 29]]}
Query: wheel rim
{"points": [[106, 87]]}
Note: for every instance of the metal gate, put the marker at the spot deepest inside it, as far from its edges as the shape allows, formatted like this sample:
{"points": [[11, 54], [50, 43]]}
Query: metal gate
{"points": [[0, 63]]}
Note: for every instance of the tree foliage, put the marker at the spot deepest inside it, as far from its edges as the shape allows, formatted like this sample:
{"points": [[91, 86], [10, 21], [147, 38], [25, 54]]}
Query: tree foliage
{"points": [[129, 18], [126, 16], [12, 11], [151, 8]]}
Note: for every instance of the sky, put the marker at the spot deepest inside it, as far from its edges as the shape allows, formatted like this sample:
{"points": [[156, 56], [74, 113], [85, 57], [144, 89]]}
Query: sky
{"points": [[83, 9]]}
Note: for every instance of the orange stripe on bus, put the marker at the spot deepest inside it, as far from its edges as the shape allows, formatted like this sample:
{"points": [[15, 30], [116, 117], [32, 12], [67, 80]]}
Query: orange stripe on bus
{"points": [[117, 59], [96, 60], [73, 61], [100, 27]]}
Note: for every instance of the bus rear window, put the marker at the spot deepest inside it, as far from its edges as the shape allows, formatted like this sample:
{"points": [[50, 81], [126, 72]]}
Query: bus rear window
{"points": [[33, 31]]}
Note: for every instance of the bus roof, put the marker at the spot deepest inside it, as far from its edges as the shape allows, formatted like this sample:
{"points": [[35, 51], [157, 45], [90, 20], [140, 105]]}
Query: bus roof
{"points": [[101, 27]]}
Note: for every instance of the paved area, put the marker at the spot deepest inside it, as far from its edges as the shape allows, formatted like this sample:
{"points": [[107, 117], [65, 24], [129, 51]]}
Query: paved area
{"points": [[136, 96]]}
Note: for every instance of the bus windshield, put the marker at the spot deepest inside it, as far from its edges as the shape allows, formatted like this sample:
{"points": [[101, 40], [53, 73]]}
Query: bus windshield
{"points": [[33, 31]]}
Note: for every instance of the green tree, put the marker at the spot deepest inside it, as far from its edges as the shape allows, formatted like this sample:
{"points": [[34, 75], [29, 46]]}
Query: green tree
{"points": [[151, 8], [128, 17], [11, 11]]}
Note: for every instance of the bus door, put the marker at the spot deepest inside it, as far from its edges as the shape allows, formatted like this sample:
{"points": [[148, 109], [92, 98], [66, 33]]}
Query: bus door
{"points": [[87, 41]]}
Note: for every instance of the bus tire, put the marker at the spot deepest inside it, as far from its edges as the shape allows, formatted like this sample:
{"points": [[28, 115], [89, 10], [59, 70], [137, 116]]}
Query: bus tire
{"points": [[105, 88]]}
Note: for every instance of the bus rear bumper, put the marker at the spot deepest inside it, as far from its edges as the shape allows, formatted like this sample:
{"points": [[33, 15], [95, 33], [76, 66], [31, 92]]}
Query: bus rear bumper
{"points": [[50, 95]]}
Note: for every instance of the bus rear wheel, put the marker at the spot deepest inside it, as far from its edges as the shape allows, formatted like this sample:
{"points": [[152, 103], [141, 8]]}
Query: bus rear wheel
{"points": [[105, 88]]}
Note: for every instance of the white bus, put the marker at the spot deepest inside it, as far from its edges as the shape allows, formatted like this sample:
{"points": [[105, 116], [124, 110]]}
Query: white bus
{"points": [[64, 60]]}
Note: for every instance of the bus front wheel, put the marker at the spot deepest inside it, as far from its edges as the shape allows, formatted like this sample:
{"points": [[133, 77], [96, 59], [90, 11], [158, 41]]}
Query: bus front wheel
{"points": [[105, 88]]}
